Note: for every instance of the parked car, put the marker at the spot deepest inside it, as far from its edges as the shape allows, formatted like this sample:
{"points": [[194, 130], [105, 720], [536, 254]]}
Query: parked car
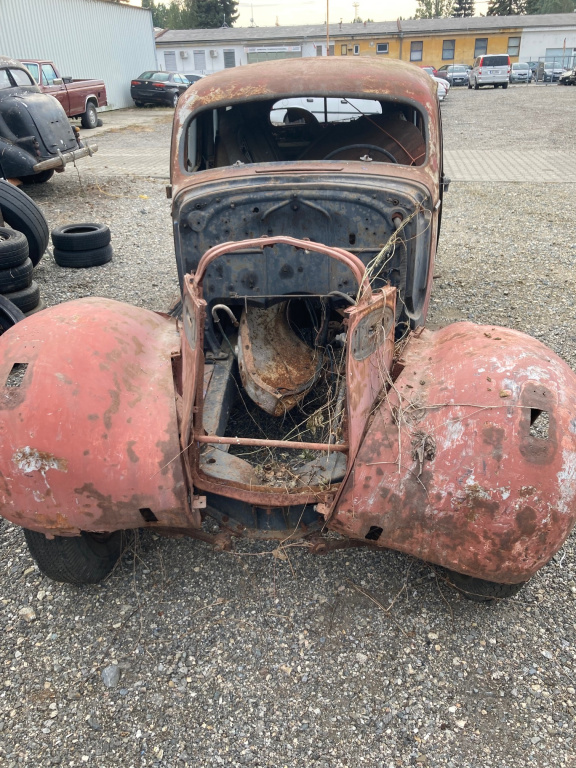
{"points": [[568, 78], [193, 78], [455, 74], [280, 404], [429, 69], [549, 71], [36, 137], [79, 98], [443, 87], [491, 69], [520, 73], [158, 88]]}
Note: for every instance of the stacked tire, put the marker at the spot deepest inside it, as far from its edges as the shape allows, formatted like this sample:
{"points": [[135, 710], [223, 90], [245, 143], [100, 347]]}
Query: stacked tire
{"points": [[82, 245], [16, 267]]}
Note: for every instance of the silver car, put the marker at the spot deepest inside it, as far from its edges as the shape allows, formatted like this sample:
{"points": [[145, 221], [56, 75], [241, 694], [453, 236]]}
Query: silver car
{"points": [[521, 73]]}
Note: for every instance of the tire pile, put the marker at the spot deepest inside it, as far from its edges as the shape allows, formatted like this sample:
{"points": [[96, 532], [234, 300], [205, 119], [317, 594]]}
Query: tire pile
{"points": [[23, 242], [82, 245]]}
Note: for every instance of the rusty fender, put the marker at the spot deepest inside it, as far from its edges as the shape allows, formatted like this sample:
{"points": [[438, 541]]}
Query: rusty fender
{"points": [[89, 435], [450, 470]]}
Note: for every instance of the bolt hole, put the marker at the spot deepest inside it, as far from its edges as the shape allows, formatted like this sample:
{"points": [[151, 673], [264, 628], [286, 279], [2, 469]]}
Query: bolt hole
{"points": [[374, 533], [351, 238]]}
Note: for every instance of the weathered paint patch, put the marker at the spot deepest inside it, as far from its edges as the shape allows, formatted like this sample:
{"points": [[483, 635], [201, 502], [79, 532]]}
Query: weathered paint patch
{"points": [[32, 460]]}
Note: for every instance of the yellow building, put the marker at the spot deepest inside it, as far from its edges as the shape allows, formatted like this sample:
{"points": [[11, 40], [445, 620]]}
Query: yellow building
{"points": [[434, 41]]}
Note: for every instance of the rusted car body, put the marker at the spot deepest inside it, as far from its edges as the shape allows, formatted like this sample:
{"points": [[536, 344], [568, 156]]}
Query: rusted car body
{"points": [[297, 394], [36, 137]]}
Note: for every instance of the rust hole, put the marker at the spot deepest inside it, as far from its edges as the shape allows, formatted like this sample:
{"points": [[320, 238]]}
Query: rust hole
{"points": [[16, 375], [539, 424], [351, 238], [374, 533], [148, 515], [210, 461]]}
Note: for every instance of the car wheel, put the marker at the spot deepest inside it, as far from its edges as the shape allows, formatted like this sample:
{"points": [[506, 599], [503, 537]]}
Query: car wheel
{"points": [[476, 86], [90, 118], [139, 103], [469, 85], [38, 178], [175, 99], [16, 278], [84, 559], [81, 237], [9, 314], [82, 259], [13, 248], [480, 590], [504, 85], [26, 298], [21, 212]]}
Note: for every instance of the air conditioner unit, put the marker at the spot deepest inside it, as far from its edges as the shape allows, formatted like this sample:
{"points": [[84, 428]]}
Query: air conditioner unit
{"points": [[214, 53], [184, 54]]}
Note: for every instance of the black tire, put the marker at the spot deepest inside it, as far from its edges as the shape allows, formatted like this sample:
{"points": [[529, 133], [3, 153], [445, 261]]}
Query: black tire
{"points": [[16, 278], [139, 103], [38, 308], [84, 559], [476, 86], [9, 314], [481, 591], [27, 298], [504, 85], [78, 260], [38, 178], [13, 248], [81, 237], [90, 118], [22, 213]]}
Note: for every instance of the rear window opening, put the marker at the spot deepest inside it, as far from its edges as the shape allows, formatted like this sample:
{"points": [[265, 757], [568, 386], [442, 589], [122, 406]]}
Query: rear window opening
{"points": [[309, 128], [495, 61]]}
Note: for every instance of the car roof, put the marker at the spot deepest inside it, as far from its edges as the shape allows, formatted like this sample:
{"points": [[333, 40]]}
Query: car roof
{"points": [[5, 61], [323, 76]]}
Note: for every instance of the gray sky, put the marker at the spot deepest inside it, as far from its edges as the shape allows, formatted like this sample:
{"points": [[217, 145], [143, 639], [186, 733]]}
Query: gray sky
{"points": [[265, 12]]}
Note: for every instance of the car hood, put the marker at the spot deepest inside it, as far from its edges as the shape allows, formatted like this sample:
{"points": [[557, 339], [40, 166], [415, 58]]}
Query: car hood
{"points": [[25, 113]]}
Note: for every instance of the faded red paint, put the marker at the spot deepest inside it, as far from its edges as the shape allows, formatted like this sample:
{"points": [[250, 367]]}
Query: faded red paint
{"points": [[90, 436], [448, 468]]}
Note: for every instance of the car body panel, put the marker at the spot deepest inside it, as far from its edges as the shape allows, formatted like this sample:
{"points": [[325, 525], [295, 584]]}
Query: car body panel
{"points": [[417, 441], [33, 126]]}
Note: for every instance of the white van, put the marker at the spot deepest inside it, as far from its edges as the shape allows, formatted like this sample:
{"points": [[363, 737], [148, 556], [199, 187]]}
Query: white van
{"points": [[490, 69]]}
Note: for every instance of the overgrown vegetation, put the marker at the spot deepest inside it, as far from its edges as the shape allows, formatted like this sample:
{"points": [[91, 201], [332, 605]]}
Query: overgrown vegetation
{"points": [[193, 14]]}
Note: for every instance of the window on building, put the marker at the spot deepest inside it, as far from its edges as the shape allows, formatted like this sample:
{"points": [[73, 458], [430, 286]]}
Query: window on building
{"points": [[343, 50], [416, 47], [318, 50], [356, 50], [448, 47], [229, 59], [199, 60], [480, 46], [381, 47], [513, 46], [169, 61]]}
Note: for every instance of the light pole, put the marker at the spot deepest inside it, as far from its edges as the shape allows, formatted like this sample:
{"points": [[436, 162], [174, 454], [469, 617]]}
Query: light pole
{"points": [[327, 28]]}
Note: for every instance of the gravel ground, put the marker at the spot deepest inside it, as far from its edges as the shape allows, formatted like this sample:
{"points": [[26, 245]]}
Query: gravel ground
{"points": [[252, 659]]}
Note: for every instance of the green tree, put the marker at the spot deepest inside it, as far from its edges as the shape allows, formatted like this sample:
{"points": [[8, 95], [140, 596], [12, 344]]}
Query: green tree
{"points": [[531, 7], [505, 7], [209, 14], [463, 8], [555, 6], [434, 9]]}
